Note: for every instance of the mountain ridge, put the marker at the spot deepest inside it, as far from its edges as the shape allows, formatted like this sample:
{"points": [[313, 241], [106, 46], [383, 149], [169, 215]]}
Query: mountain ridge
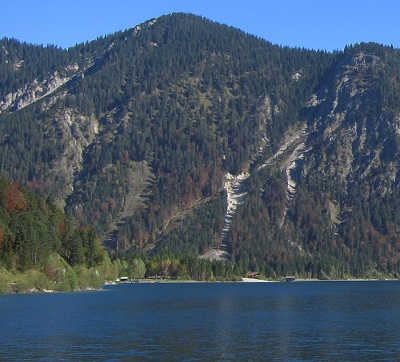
{"points": [[182, 135]]}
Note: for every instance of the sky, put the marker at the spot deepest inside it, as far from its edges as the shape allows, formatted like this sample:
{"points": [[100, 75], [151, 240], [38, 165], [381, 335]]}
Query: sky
{"points": [[312, 24]]}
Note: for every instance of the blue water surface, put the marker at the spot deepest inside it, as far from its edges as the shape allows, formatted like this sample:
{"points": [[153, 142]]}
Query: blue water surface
{"points": [[300, 321]]}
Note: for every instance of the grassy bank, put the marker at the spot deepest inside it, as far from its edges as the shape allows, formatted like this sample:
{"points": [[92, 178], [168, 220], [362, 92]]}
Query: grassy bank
{"points": [[57, 276]]}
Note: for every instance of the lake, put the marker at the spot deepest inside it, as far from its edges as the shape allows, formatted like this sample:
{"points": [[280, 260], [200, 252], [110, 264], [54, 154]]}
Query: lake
{"points": [[300, 321]]}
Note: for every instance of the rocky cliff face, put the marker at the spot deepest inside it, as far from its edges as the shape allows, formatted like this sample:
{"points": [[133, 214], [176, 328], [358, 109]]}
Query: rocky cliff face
{"points": [[32, 92], [352, 136]]}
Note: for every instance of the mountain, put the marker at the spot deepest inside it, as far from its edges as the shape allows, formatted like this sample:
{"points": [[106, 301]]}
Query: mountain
{"points": [[181, 136]]}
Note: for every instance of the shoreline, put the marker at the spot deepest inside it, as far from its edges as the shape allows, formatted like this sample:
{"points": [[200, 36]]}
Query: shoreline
{"points": [[171, 281]]}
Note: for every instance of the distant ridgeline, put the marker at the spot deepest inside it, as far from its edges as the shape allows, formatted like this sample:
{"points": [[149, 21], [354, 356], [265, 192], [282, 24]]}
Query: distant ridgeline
{"points": [[182, 136]]}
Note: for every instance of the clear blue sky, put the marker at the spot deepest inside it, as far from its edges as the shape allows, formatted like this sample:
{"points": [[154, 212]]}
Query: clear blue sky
{"points": [[314, 24]]}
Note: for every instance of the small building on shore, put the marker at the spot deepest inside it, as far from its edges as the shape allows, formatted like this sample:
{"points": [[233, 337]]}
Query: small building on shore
{"points": [[254, 275]]}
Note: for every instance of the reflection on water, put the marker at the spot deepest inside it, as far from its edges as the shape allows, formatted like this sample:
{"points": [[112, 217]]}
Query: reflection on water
{"points": [[206, 321]]}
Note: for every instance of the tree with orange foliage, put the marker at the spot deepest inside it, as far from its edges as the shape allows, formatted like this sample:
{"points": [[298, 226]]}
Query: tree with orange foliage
{"points": [[15, 198]]}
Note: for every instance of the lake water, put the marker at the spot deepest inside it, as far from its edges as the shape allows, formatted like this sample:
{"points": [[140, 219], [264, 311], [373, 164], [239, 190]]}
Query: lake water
{"points": [[312, 321]]}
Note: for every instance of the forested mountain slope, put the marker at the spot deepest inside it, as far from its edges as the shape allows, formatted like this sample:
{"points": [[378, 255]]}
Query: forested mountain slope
{"points": [[182, 135]]}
